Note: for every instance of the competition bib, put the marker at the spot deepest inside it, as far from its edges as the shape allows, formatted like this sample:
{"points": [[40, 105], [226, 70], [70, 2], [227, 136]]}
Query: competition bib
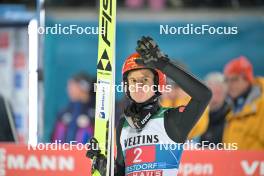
{"points": [[150, 152]]}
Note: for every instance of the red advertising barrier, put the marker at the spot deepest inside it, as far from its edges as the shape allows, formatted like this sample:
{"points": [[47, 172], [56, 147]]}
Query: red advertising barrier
{"points": [[222, 163], [19, 160]]}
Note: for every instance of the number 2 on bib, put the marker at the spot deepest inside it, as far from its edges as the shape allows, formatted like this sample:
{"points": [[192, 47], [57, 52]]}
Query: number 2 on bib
{"points": [[141, 154], [137, 152]]}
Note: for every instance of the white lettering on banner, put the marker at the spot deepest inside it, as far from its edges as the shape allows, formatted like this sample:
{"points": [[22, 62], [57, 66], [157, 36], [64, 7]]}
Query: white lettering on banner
{"points": [[250, 169], [196, 169], [15, 162], [32, 163], [43, 163], [2, 161], [66, 163], [262, 168], [49, 163]]}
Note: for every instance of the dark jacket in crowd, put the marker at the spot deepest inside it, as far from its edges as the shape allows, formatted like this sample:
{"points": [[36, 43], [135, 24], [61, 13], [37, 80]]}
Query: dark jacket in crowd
{"points": [[215, 128], [6, 120]]}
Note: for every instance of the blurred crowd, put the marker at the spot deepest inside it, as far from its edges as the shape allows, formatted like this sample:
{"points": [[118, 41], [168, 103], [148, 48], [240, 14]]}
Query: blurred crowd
{"points": [[151, 4], [235, 113], [165, 4]]}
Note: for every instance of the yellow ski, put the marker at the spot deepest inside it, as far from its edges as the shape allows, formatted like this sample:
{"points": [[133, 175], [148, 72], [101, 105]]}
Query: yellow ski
{"points": [[105, 92]]}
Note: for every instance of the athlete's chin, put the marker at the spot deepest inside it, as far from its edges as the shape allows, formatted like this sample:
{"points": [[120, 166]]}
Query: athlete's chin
{"points": [[140, 99]]}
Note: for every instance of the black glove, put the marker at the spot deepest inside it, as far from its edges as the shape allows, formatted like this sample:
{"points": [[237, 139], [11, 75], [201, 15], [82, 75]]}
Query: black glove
{"points": [[151, 55], [99, 160]]}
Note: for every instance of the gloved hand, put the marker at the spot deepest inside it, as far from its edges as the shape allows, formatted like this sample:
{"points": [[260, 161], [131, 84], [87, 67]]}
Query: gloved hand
{"points": [[99, 160], [150, 53]]}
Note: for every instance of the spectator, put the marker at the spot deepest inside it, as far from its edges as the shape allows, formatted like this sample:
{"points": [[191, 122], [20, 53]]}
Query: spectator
{"points": [[245, 122], [76, 121], [154, 4], [218, 108]]}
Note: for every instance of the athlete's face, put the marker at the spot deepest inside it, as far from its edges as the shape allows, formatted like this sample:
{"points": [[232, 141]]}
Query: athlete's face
{"points": [[141, 85]]}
